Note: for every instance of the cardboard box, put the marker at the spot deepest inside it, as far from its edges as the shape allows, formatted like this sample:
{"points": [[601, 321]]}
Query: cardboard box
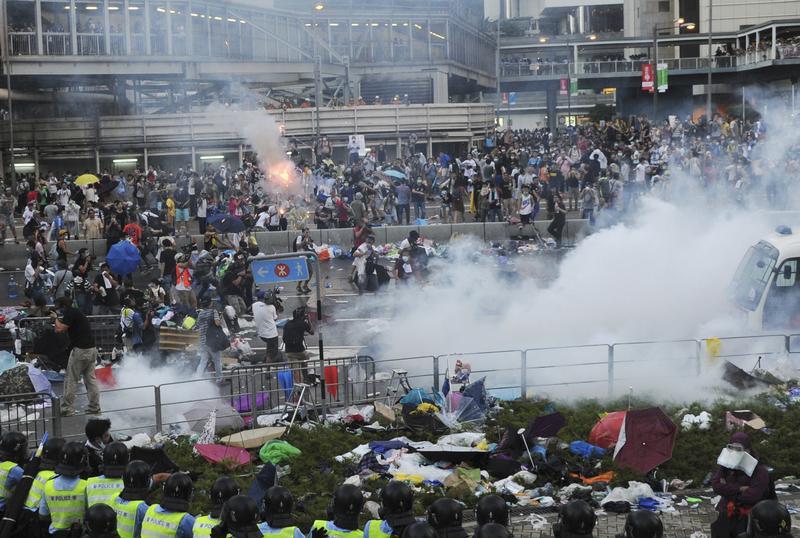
{"points": [[742, 418], [385, 411], [252, 438]]}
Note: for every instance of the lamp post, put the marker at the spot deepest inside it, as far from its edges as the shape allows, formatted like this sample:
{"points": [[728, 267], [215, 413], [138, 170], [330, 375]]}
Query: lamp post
{"points": [[677, 23], [318, 8], [710, 59]]}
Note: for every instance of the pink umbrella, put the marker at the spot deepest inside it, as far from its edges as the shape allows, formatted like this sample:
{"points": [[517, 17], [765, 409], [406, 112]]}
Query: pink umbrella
{"points": [[229, 456]]}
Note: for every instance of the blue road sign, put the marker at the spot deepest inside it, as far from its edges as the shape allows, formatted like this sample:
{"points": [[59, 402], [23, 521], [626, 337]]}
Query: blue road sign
{"points": [[280, 271]]}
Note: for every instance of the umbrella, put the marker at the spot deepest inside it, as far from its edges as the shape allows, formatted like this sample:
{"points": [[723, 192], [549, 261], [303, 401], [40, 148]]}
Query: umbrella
{"points": [[459, 409], [86, 179], [545, 426], [395, 174], [646, 440], [147, 215], [123, 258], [229, 456], [226, 224], [606, 432], [15, 504], [227, 417]]}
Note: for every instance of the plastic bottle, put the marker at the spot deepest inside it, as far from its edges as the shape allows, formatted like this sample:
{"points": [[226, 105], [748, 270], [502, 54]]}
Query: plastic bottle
{"points": [[13, 288]]}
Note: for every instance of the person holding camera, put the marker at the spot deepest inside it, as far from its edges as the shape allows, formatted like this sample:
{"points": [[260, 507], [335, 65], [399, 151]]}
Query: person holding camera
{"points": [[106, 298]]}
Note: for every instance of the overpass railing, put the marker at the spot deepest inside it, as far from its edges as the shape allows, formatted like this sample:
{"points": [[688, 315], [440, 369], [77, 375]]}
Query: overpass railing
{"points": [[558, 371], [629, 67], [183, 129]]}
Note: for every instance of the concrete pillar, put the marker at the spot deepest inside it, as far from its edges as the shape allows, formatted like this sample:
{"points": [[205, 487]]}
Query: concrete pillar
{"points": [[552, 99], [73, 26], [38, 15], [36, 171], [241, 154], [127, 28], [148, 46], [399, 153], [773, 54], [97, 160], [430, 146], [147, 159], [194, 158], [107, 28], [441, 91]]}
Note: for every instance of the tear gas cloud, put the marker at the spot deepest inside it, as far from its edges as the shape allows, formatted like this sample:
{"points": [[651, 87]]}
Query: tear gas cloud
{"points": [[662, 275]]}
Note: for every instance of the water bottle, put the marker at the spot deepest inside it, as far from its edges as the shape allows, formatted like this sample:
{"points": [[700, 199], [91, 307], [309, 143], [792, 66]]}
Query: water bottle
{"points": [[13, 288]]}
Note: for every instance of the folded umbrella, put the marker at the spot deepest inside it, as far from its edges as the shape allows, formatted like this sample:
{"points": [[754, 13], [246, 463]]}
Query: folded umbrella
{"points": [[123, 258], [646, 440], [226, 224]]}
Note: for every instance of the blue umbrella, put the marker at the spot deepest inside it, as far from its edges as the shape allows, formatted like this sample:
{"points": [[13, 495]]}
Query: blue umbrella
{"points": [[395, 174], [123, 258], [227, 224]]}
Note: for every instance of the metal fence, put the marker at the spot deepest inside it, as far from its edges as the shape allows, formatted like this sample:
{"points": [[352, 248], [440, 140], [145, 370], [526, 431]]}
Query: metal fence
{"points": [[104, 329], [536, 69], [252, 391]]}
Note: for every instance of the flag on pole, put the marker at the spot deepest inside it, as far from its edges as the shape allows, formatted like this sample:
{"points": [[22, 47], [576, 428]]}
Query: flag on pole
{"points": [[662, 76], [573, 86], [647, 77]]}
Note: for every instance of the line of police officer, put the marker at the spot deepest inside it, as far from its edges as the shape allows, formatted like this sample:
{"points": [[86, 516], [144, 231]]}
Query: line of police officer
{"points": [[114, 505]]}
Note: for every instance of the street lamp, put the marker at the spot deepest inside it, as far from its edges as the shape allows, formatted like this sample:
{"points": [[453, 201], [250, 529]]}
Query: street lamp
{"points": [[679, 23], [319, 6]]}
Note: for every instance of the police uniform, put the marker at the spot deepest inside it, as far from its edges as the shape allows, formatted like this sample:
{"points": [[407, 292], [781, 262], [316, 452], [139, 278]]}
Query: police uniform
{"points": [[130, 515], [64, 501], [204, 524], [334, 531], [37, 490], [100, 489], [10, 475], [162, 523], [377, 528], [285, 532]]}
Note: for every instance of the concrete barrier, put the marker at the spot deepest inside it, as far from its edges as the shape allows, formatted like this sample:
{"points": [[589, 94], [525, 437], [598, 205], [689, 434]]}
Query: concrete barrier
{"points": [[395, 234]]}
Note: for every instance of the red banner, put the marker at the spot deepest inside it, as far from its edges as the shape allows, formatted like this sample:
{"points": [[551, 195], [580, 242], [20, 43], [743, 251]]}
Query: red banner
{"points": [[564, 86], [648, 82]]}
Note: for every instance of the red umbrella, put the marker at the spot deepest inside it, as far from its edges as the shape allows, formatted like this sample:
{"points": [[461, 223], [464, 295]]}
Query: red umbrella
{"points": [[606, 432], [646, 440], [229, 456]]}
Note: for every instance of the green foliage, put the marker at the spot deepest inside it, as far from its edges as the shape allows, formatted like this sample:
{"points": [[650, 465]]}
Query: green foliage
{"points": [[315, 474]]}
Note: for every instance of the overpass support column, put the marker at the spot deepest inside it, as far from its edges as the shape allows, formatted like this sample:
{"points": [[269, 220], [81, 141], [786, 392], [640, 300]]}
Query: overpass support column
{"points": [[36, 171], [552, 115], [441, 92], [194, 158], [97, 160], [147, 158]]}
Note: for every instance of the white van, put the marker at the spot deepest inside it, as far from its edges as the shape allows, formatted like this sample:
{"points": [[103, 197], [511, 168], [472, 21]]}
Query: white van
{"points": [[766, 285]]}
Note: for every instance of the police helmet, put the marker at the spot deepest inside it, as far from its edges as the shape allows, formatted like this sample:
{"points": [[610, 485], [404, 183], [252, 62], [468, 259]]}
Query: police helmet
{"points": [[101, 521], [14, 447], [240, 513], [643, 524], [419, 530], [446, 516], [136, 481], [73, 459], [397, 504], [576, 518], [115, 459], [492, 530], [491, 509], [769, 518], [223, 489], [178, 491], [278, 505], [51, 452]]}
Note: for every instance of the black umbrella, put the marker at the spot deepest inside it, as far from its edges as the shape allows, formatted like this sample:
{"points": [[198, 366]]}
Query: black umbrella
{"points": [[226, 224], [104, 187], [545, 426], [16, 503]]}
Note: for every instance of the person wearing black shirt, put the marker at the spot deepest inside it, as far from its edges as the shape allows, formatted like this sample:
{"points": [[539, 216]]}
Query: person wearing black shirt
{"points": [[82, 357], [294, 340], [167, 261]]}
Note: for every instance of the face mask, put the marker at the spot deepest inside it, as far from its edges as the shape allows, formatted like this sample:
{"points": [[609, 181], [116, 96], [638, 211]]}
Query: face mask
{"points": [[406, 258]]}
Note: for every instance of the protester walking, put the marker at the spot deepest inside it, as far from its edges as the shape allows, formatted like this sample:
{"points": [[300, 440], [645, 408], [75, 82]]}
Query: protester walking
{"points": [[82, 357]]}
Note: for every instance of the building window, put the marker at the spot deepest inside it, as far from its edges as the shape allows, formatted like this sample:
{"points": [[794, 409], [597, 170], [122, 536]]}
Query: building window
{"points": [[663, 6]]}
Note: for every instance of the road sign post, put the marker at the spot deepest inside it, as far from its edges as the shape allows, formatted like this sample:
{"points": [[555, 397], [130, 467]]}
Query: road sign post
{"points": [[282, 268]]}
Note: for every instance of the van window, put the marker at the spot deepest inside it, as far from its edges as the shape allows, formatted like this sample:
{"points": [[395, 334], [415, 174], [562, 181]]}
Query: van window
{"points": [[782, 305], [752, 275]]}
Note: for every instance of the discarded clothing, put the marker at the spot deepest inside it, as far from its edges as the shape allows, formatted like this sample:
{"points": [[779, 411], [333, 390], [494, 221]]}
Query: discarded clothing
{"points": [[277, 452]]}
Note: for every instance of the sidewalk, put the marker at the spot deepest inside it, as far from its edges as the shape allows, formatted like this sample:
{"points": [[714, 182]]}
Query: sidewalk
{"points": [[683, 523]]}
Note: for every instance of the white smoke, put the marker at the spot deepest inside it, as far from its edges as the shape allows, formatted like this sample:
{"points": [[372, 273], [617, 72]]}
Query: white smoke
{"points": [[661, 276]]}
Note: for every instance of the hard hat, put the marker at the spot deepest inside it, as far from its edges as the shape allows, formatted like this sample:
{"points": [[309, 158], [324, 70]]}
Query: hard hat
{"points": [[397, 504], [223, 489], [115, 459], [136, 481], [240, 513], [278, 505], [491, 509], [446, 516], [73, 459], [101, 521], [178, 491]]}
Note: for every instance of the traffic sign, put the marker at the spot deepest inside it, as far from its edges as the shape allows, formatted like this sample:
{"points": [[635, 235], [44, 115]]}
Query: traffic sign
{"points": [[280, 270]]}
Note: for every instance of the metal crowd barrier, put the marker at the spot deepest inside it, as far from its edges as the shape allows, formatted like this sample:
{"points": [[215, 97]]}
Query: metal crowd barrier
{"points": [[251, 391], [104, 330]]}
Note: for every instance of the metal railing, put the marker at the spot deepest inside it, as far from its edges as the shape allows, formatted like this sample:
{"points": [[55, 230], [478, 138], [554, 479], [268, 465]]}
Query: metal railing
{"points": [[178, 129], [630, 67], [91, 44], [22, 43], [265, 389], [104, 330], [56, 44]]}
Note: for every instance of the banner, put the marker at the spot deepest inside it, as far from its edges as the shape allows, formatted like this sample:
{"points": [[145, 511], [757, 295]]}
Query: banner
{"points": [[505, 98], [573, 86], [564, 83], [647, 77], [662, 78], [512, 98]]}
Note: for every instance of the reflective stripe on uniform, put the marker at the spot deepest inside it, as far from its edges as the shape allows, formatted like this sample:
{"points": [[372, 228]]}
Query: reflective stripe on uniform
{"points": [[37, 490], [100, 489], [334, 533], [164, 525], [203, 525], [66, 506], [285, 532], [126, 516], [5, 469], [374, 529]]}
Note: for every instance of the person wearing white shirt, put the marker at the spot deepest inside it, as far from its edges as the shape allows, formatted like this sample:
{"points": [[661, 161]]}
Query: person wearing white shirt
{"points": [[63, 196], [265, 317], [29, 212], [599, 155], [202, 212]]}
